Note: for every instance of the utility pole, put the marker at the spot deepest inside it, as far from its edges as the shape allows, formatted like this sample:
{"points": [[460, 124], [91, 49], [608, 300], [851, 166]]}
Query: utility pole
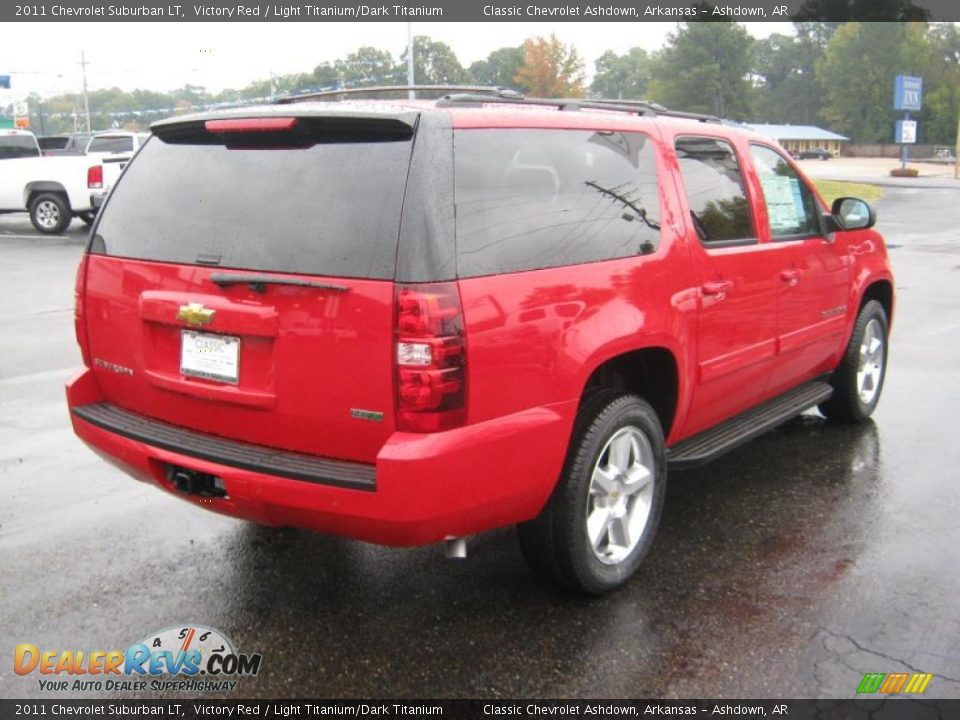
{"points": [[411, 95], [86, 100]]}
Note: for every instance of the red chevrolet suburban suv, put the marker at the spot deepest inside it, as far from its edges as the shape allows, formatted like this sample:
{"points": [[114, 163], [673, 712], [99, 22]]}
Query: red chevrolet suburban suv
{"points": [[407, 322]]}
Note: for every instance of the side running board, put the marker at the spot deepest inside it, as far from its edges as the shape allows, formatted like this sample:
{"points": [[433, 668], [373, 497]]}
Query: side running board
{"points": [[712, 443]]}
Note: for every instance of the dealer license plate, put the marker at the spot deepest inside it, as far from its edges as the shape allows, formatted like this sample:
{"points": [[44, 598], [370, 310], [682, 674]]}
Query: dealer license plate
{"points": [[214, 357]]}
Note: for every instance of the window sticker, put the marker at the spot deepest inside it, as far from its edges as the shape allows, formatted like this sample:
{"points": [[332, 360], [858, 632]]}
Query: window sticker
{"points": [[784, 201]]}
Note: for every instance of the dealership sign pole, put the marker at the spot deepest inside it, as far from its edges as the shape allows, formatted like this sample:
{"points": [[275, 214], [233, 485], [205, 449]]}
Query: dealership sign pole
{"points": [[907, 96]]}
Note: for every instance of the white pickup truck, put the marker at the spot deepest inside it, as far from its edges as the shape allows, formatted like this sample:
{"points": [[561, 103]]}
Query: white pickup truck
{"points": [[113, 150], [116, 143], [52, 189]]}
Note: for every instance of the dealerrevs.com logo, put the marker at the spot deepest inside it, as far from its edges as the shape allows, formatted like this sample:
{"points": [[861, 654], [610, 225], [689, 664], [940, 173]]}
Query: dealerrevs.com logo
{"points": [[190, 658]]}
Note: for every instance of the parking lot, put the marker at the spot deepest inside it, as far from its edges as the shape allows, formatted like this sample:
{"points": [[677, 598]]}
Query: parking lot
{"points": [[788, 569]]}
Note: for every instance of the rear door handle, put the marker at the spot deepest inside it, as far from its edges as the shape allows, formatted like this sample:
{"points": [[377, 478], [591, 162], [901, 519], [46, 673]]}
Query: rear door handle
{"points": [[791, 277], [716, 288]]}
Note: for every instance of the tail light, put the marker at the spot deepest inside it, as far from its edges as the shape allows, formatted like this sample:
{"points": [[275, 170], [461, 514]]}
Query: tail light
{"points": [[95, 177], [257, 124], [79, 310], [431, 359]]}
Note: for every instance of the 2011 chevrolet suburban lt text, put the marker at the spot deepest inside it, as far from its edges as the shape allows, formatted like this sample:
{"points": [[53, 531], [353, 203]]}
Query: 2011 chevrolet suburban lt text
{"points": [[411, 321]]}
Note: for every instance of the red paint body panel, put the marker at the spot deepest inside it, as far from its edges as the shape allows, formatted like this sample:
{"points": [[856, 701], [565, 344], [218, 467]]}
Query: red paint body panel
{"points": [[307, 356], [742, 324], [429, 486]]}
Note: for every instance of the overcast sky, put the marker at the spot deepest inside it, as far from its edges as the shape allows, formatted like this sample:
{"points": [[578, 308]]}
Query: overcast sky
{"points": [[45, 57]]}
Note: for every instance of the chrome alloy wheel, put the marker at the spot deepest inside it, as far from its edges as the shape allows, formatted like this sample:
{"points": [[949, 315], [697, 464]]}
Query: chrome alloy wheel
{"points": [[870, 363], [621, 495], [48, 214]]}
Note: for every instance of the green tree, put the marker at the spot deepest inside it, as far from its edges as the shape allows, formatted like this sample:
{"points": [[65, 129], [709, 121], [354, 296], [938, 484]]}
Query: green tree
{"points": [[434, 63], [857, 72], [817, 34], [369, 66], [325, 76], [252, 91], [499, 69], [622, 76], [941, 74], [705, 67], [862, 10], [785, 66], [550, 68], [193, 94]]}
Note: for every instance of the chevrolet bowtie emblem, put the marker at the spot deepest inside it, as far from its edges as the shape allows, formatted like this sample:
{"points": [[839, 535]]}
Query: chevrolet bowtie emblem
{"points": [[195, 314]]}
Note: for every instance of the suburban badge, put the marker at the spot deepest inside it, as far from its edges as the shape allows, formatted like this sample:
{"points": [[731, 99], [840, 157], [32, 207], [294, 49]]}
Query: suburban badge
{"points": [[358, 414]]}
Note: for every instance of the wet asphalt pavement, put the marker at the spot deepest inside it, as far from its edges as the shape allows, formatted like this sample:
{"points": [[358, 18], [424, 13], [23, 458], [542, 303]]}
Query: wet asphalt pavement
{"points": [[788, 569]]}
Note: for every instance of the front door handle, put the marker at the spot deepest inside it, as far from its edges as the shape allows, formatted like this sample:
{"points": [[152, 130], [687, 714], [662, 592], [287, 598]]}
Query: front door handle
{"points": [[716, 288], [791, 277]]}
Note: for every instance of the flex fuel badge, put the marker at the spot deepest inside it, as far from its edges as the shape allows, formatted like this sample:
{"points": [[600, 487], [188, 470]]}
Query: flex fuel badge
{"points": [[189, 658]]}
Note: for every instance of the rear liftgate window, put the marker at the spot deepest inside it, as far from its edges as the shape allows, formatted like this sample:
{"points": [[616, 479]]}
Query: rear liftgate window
{"points": [[321, 197], [530, 199]]}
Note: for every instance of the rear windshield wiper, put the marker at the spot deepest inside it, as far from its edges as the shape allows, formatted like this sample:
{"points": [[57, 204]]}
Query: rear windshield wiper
{"points": [[258, 283]]}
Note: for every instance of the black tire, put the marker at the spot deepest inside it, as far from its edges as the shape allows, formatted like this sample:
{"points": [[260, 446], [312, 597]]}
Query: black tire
{"points": [[50, 213], [556, 543], [848, 403], [87, 218]]}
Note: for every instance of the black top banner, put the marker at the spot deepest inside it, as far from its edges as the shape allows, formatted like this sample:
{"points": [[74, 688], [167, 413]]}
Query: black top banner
{"points": [[190, 709], [485, 10]]}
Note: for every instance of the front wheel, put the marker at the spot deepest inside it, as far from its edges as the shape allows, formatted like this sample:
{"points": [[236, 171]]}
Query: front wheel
{"points": [[858, 382], [601, 520], [49, 213]]}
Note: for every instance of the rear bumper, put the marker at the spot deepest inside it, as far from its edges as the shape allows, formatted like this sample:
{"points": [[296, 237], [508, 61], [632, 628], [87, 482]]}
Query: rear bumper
{"points": [[423, 488]]}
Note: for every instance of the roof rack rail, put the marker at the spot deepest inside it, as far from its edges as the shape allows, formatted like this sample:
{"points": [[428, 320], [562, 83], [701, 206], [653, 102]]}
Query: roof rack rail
{"points": [[493, 91], [480, 94], [637, 107], [558, 103], [656, 107], [661, 110]]}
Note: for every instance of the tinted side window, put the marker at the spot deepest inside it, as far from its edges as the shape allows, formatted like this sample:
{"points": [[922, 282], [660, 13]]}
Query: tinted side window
{"points": [[111, 144], [18, 146], [54, 142], [528, 199], [714, 186], [791, 207]]}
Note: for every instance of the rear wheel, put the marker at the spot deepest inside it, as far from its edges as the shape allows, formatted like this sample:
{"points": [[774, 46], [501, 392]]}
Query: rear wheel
{"points": [[858, 382], [49, 213], [601, 520]]}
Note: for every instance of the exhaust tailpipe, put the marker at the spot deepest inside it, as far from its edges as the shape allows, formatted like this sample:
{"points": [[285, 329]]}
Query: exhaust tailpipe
{"points": [[456, 548]]}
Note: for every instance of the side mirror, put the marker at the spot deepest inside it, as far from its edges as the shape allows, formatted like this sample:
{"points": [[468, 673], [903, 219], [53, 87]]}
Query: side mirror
{"points": [[850, 213]]}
